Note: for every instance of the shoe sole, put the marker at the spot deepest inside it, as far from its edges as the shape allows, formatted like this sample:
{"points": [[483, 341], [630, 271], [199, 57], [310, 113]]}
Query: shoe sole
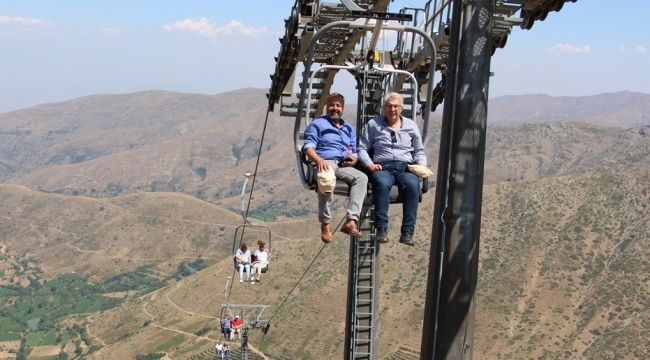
{"points": [[357, 234], [410, 243]]}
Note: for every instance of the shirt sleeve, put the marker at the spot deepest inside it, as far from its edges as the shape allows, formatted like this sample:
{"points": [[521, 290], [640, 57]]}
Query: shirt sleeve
{"points": [[311, 136], [364, 146], [418, 148], [353, 140]]}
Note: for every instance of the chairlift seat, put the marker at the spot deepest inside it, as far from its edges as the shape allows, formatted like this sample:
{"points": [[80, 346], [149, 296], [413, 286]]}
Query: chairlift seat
{"points": [[264, 269], [239, 233], [342, 188]]}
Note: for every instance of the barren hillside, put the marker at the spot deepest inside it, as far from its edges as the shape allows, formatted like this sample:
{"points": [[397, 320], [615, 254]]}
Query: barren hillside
{"points": [[108, 203], [102, 146], [563, 270]]}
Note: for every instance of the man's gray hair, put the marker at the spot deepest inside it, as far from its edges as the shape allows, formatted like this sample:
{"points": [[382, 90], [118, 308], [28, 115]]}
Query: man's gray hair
{"points": [[393, 96]]}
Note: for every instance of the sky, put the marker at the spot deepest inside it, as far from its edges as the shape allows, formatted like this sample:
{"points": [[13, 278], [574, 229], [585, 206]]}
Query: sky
{"points": [[54, 51]]}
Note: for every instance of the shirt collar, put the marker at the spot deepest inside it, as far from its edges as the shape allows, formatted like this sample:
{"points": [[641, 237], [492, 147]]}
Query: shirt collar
{"points": [[384, 120], [333, 122]]}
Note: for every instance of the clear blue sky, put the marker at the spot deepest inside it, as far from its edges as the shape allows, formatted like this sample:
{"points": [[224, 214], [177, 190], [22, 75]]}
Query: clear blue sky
{"points": [[58, 50]]}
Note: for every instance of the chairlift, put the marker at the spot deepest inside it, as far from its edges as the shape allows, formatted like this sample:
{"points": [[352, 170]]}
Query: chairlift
{"points": [[241, 229]]}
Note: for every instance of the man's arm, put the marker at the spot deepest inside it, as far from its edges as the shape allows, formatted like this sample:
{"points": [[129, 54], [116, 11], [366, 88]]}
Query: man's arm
{"points": [[351, 158], [311, 141], [320, 162], [365, 145], [418, 149]]}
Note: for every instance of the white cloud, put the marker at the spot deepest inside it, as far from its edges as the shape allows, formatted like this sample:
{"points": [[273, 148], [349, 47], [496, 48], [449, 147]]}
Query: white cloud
{"points": [[19, 20], [640, 49], [111, 32], [563, 48], [211, 30]]}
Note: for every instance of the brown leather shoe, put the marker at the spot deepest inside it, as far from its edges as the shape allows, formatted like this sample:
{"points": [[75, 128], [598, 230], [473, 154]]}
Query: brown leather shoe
{"points": [[350, 228], [326, 233]]}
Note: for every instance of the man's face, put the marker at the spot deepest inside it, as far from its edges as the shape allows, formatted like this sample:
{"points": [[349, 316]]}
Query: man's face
{"points": [[335, 109], [393, 109]]}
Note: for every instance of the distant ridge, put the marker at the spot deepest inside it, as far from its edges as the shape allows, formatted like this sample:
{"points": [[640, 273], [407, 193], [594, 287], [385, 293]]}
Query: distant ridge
{"points": [[618, 109], [202, 145]]}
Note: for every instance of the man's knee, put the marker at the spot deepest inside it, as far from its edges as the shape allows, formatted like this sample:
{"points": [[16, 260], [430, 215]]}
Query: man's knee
{"points": [[362, 179], [410, 182], [382, 179]]}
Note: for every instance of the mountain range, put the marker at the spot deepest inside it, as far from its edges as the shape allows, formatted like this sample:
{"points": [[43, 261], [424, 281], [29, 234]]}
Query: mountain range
{"points": [[106, 185], [107, 145]]}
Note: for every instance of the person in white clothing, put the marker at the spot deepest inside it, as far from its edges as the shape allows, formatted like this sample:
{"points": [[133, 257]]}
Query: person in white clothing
{"points": [[218, 349], [262, 257], [243, 261]]}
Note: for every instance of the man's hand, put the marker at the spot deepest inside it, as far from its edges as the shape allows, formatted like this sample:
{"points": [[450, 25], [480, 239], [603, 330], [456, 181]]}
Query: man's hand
{"points": [[351, 161], [322, 165], [375, 167]]}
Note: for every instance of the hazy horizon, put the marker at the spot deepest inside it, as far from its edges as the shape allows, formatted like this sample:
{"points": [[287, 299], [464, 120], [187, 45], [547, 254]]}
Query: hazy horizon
{"points": [[54, 52]]}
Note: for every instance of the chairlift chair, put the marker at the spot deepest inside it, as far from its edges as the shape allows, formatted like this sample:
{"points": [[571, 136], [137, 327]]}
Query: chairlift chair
{"points": [[242, 228]]}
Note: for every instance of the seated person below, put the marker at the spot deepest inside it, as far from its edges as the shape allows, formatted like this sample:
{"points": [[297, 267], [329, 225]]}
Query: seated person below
{"points": [[394, 142], [262, 257], [331, 142], [243, 261], [237, 324], [225, 327]]}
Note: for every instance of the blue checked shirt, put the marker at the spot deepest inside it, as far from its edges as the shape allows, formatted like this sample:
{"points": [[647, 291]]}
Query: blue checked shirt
{"points": [[386, 144]]}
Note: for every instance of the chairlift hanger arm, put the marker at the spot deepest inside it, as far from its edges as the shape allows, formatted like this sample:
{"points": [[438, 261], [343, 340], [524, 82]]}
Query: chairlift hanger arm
{"points": [[365, 27]]}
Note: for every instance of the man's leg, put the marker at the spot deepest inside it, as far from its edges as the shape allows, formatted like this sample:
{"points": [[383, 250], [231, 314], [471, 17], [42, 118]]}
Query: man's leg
{"points": [[358, 182], [409, 188], [247, 267], [240, 268], [382, 181], [325, 216]]}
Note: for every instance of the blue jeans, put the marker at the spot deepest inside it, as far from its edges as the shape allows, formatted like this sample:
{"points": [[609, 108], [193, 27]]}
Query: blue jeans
{"points": [[408, 185]]}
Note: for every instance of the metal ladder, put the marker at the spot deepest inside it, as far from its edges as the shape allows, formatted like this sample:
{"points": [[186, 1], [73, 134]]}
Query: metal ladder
{"points": [[362, 302], [307, 18]]}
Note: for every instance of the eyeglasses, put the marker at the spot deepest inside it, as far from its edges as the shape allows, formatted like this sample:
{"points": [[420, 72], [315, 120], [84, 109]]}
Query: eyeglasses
{"points": [[393, 137], [391, 106]]}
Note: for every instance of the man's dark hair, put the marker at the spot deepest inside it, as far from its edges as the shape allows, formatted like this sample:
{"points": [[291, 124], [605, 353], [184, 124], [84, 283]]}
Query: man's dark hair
{"points": [[336, 96]]}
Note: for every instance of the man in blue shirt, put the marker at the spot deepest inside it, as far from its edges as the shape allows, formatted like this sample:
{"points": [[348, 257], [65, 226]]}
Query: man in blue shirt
{"points": [[395, 142], [225, 328], [330, 142]]}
